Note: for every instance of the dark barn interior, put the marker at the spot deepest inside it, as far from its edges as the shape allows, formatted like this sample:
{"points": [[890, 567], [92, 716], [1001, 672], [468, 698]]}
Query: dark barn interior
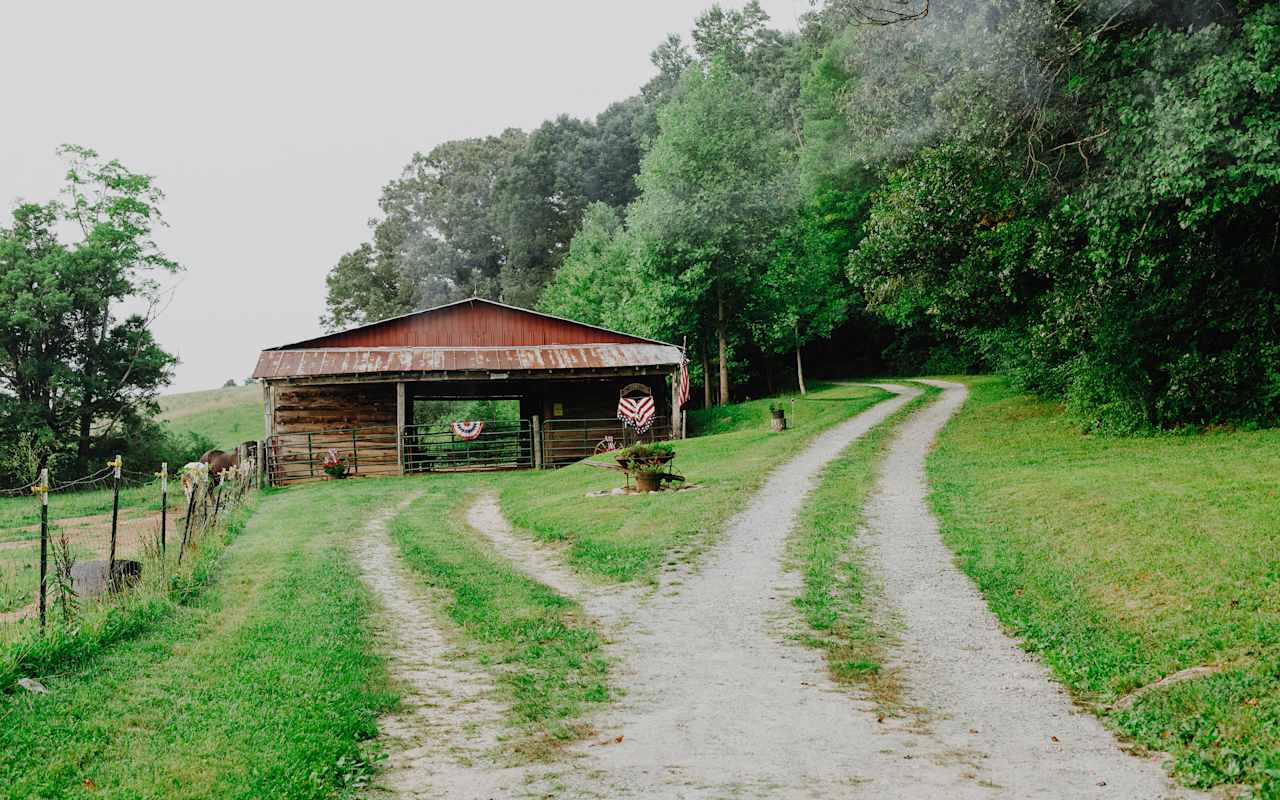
{"points": [[354, 392]]}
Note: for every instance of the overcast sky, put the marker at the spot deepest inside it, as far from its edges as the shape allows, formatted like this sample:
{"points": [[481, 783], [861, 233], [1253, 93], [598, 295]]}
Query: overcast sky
{"points": [[272, 126]]}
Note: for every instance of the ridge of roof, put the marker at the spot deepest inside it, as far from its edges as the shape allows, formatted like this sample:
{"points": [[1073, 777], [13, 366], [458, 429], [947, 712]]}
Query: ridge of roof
{"points": [[472, 299]]}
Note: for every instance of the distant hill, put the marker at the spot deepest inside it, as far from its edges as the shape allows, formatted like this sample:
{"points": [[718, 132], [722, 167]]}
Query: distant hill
{"points": [[227, 416]]}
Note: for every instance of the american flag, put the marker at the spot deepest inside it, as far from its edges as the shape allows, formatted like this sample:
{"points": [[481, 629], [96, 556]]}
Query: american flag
{"points": [[682, 385]]}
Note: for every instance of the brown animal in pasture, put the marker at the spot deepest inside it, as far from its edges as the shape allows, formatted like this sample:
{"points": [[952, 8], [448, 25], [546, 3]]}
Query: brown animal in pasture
{"points": [[219, 460]]}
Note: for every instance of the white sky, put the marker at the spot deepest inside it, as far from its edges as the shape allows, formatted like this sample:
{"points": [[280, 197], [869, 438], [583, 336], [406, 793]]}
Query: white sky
{"points": [[272, 126]]}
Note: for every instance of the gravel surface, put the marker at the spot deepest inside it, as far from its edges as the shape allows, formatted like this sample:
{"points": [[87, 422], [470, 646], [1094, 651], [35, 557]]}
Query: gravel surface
{"points": [[441, 741], [719, 700]]}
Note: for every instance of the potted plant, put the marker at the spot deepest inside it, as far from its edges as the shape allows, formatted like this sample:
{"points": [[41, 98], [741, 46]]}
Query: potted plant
{"points": [[656, 453], [334, 466], [648, 476], [779, 417]]}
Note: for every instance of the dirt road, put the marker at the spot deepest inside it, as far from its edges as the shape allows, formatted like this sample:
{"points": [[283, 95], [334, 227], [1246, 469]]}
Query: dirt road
{"points": [[721, 702]]}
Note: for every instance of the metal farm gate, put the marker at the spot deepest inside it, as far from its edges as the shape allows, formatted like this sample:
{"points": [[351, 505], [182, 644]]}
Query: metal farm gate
{"points": [[300, 456], [501, 444], [565, 441]]}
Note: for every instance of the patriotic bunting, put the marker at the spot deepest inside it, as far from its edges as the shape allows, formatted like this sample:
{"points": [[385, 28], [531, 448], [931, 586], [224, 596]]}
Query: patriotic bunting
{"points": [[636, 412], [468, 429]]}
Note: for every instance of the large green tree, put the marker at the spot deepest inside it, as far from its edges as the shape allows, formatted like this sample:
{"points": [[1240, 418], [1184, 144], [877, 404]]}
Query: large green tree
{"points": [[715, 190], [73, 370]]}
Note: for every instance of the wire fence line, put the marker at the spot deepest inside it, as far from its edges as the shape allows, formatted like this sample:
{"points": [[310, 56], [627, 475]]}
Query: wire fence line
{"points": [[133, 540]]}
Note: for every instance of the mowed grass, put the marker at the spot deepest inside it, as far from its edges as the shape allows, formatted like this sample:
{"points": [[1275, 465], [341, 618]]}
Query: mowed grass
{"points": [[1122, 560], [267, 685], [20, 513], [624, 538], [546, 655], [837, 597], [227, 416]]}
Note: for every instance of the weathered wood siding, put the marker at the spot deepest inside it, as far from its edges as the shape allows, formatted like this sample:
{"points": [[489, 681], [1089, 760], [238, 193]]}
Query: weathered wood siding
{"points": [[357, 420]]}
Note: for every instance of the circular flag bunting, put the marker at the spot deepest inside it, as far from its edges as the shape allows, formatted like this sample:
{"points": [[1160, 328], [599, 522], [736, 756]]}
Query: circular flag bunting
{"points": [[468, 429]]}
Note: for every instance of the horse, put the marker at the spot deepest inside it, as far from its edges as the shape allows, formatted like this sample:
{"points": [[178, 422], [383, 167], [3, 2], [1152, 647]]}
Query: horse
{"points": [[220, 460]]}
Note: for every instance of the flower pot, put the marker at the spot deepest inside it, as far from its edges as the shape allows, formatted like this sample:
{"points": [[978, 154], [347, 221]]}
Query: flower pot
{"points": [[648, 481]]}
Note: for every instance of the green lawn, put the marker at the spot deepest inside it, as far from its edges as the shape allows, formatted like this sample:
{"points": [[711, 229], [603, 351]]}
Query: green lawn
{"points": [[17, 513], [627, 538], [227, 416], [265, 685], [547, 656], [836, 599], [1124, 559]]}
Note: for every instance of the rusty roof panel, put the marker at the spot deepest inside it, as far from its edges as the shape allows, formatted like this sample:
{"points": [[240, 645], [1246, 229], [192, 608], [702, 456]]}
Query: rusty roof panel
{"points": [[369, 361]]}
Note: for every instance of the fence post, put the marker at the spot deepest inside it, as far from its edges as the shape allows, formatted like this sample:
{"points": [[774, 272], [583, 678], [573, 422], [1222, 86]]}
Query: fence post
{"points": [[164, 502], [355, 454], [115, 519], [261, 463], [43, 491], [537, 442], [191, 508], [311, 460], [401, 422]]}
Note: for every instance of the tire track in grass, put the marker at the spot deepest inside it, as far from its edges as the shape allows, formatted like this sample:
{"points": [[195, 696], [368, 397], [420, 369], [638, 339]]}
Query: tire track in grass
{"points": [[982, 694], [440, 739]]}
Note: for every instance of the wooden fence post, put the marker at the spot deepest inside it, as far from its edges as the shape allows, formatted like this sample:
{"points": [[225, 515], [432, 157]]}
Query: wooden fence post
{"points": [[191, 508], [115, 519], [537, 442], [164, 502], [262, 463], [400, 424], [43, 490]]}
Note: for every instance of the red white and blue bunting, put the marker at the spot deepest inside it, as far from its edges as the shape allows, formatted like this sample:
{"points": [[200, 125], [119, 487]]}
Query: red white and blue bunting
{"points": [[468, 429], [636, 412]]}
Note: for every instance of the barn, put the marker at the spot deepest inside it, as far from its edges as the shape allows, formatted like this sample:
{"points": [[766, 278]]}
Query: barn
{"points": [[356, 392]]}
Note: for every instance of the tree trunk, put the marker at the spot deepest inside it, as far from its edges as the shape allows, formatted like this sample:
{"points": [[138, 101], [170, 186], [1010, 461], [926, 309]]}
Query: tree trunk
{"points": [[799, 362], [706, 371], [724, 349]]}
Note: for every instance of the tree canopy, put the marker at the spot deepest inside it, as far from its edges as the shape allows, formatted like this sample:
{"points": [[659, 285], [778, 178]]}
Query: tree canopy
{"points": [[1081, 195], [75, 373]]}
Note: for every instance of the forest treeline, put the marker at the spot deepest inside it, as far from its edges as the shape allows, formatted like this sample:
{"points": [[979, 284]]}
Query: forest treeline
{"points": [[1082, 195]]}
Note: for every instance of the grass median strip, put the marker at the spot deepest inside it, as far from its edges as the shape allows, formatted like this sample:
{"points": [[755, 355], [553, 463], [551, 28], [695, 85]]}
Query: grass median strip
{"points": [[623, 538], [1126, 559], [266, 685], [836, 601], [547, 655]]}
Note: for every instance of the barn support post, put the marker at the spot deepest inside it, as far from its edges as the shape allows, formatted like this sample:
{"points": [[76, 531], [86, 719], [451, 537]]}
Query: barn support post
{"points": [[537, 441], [400, 423]]}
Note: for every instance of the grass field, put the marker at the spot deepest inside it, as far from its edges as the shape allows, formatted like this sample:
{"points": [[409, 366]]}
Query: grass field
{"points": [[227, 416], [547, 655], [267, 685], [1122, 560], [623, 538]]}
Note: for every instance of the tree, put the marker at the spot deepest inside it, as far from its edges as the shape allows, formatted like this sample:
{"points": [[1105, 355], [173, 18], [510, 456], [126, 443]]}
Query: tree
{"points": [[805, 294], [72, 371], [715, 187]]}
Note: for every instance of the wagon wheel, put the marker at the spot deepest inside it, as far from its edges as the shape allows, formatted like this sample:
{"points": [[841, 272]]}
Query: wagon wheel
{"points": [[606, 445]]}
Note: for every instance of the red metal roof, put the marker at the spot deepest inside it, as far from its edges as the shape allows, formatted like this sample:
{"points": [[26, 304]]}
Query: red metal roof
{"points": [[474, 322], [319, 362]]}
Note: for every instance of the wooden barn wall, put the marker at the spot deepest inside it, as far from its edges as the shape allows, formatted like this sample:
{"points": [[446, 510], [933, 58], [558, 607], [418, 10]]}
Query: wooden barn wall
{"points": [[309, 420], [470, 325]]}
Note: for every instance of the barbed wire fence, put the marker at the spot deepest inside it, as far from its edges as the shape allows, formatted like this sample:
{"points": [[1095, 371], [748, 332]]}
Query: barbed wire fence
{"points": [[207, 497]]}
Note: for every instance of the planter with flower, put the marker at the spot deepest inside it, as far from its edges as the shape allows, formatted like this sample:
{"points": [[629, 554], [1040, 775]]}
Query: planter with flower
{"points": [[650, 464], [334, 465]]}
